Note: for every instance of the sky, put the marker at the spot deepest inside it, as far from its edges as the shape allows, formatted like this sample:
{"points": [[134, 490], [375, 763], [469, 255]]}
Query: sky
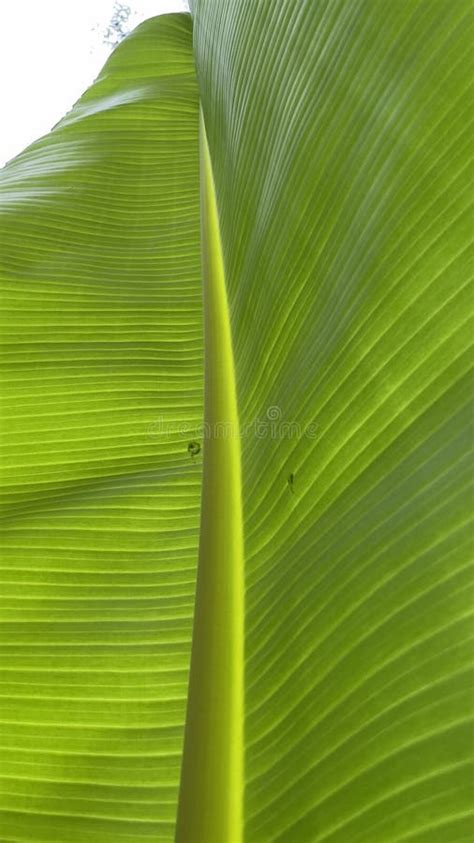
{"points": [[50, 52]]}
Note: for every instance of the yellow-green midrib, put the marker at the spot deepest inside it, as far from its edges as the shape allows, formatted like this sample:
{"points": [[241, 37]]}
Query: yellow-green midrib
{"points": [[211, 792]]}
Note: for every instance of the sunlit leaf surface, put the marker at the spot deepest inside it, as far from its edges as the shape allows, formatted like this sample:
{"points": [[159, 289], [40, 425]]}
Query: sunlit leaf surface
{"points": [[339, 136], [102, 379]]}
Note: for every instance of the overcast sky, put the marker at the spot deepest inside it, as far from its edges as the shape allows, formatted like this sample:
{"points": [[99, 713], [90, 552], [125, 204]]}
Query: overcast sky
{"points": [[50, 52]]}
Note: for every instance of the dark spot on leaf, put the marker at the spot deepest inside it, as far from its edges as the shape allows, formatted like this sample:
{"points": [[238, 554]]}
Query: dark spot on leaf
{"points": [[291, 480], [194, 448]]}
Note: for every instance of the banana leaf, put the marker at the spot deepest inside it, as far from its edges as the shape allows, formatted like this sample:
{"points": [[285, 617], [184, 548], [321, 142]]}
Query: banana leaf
{"points": [[236, 433]]}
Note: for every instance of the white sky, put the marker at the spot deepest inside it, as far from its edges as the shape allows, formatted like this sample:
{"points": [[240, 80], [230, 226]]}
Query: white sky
{"points": [[50, 52]]}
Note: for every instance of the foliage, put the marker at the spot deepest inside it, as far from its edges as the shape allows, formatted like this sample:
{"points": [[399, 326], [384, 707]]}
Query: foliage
{"points": [[330, 640], [117, 27]]}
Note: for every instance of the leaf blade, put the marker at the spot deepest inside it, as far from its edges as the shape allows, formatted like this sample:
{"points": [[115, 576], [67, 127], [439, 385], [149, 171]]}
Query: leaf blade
{"points": [[102, 389], [339, 141]]}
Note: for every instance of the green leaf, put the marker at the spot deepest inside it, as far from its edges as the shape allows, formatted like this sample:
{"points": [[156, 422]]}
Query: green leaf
{"points": [[340, 139], [102, 391], [335, 234]]}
